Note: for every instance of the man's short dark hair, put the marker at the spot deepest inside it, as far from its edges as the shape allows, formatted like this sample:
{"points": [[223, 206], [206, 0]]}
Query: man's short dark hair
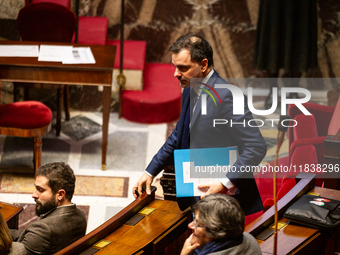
{"points": [[221, 215], [60, 176], [198, 47]]}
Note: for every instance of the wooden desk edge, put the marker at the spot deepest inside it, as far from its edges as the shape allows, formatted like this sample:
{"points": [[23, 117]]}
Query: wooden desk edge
{"points": [[18, 209], [109, 226], [305, 183], [11, 214]]}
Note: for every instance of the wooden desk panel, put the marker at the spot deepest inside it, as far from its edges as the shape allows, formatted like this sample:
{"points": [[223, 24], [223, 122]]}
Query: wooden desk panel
{"points": [[294, 238], [30, 70], [149, 236], [289, 239], [142, 235], [55, 76], [11, 214], [104, 56]]}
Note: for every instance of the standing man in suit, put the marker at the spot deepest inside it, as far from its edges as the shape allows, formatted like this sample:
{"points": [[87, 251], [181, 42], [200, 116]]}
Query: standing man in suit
{"points": [[192, 57], [60, 222]]}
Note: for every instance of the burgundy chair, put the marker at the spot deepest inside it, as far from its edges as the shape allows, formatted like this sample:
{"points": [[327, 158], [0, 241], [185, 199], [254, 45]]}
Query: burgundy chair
{"points": [[307, 138], [92, 30], [65, 3], [26, 119], [47, 22], [304, 159], [311, 129]]}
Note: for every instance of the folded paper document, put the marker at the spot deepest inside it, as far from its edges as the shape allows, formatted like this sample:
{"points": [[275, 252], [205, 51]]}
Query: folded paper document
{"points": [[19, 50], [66, 54]]}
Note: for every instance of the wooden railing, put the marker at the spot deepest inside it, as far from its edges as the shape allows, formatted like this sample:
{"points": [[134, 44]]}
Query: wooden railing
{"points": [[305, 183], [109, 226]]}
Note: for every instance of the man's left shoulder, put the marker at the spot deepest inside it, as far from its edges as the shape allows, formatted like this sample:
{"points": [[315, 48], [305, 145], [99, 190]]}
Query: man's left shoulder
{"points": [[218, 80], [67, 211]]}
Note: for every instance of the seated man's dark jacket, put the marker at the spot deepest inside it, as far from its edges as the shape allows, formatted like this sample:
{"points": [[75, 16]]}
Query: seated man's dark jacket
{"points": [[53, 231], [251, 145]]}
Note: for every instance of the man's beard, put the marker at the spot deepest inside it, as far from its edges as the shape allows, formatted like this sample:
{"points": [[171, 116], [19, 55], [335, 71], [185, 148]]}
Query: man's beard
{"points": [[44, 208], [184, 82]]}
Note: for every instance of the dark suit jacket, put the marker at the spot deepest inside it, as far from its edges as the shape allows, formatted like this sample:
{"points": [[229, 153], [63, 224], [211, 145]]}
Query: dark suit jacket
{"points": [[16, 249], [251, 145], [53, 231]]}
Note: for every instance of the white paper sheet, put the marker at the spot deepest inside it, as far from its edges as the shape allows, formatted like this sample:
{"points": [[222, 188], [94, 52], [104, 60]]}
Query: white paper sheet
{"points": [[19, 50], [54, 53], [79, 55], [195, 181], [66, 54]]}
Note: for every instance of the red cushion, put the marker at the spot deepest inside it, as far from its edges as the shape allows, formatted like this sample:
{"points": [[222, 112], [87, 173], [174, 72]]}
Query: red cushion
{"points": [[25, 115], [269, 202], [134, 54], [305, 159], [317, 142], [264, 180], [92, 30], [285, 188], [322, 114], [160, 100], [306, 127]]}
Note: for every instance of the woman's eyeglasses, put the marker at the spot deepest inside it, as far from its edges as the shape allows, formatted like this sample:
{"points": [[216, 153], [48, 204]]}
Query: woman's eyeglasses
{"points": [[195, 222]]}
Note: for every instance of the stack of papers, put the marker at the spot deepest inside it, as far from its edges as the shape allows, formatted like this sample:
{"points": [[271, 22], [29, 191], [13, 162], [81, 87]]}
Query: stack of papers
{"points": [[19, 50], [54, 53], [66, 54]]}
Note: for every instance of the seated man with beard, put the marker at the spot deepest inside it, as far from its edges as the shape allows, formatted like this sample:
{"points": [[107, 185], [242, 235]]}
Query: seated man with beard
{"points": [[60, 222], [218, 228]]}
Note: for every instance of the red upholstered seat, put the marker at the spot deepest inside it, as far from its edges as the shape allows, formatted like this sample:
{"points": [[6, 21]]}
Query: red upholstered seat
{"points": [[26, 119], [134, 54], [285, 188], [310, 130], [25, 115], [160, 100], [322, 116], [304, 159], [92, 30], [264, 180]]}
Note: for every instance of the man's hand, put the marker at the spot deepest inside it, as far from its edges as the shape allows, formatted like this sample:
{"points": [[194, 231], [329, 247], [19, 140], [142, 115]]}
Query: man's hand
{"points": [[144, 180], [213, 188], [189, 246]]}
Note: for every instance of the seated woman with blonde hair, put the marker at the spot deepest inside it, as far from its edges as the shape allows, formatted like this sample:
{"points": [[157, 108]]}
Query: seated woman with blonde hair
{"points": [[7, 246]]}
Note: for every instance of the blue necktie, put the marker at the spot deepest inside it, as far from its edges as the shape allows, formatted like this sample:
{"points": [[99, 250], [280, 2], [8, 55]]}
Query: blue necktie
{"points": [[186, 129]]}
